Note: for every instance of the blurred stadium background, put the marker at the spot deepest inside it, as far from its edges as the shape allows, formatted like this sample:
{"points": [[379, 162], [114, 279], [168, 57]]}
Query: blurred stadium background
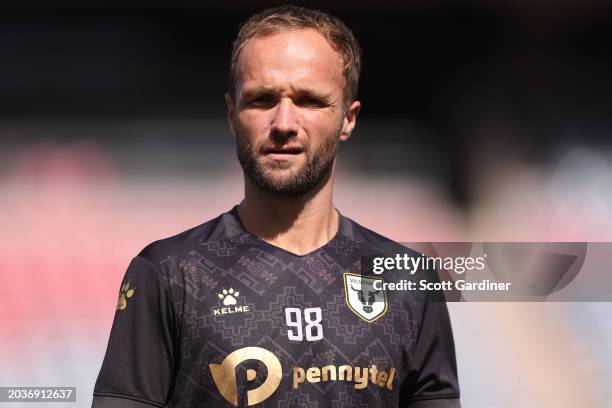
{"points": [[482, 120]]}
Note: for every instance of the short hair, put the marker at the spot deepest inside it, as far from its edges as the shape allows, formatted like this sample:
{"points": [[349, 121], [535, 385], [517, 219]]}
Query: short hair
{"points": [[286, 18]]}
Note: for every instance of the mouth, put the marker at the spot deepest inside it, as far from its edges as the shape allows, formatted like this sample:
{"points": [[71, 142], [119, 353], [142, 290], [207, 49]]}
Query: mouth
{"points": [[287, 152]]}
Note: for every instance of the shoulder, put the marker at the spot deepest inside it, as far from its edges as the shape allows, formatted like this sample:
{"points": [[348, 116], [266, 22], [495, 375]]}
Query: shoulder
{"points": [[209, 231], [363, 235], [374, 246]]}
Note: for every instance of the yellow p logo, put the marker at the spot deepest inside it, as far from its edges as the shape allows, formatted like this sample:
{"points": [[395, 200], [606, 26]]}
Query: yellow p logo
{"points": [[224, 375]]}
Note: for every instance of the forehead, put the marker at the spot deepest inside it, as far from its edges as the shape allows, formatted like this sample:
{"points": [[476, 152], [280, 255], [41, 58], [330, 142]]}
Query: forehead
{"points": [[290, 59]]}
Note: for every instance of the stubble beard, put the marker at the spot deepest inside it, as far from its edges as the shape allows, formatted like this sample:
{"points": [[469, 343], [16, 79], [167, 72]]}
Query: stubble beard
{"points": [[276, 177]]}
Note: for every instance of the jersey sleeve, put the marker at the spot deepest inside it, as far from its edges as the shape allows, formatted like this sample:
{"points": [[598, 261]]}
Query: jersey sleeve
{"points": [[432, 378], [137, 370]]}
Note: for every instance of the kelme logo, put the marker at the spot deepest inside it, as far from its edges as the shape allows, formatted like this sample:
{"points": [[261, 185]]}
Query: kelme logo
{"points": [[228, 299], [228, 296], [224, 375]]}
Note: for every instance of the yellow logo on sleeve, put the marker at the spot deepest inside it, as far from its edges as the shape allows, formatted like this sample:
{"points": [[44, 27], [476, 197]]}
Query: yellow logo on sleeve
{"points": [[125, 293]]}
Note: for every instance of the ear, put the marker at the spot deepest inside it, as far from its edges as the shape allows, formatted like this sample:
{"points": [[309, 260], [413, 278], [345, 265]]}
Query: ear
{"points": [[229, 102], [350, 120]]}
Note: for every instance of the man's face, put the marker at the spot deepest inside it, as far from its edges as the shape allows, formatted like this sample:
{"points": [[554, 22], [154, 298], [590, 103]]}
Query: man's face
{"points": [[287, 114]]}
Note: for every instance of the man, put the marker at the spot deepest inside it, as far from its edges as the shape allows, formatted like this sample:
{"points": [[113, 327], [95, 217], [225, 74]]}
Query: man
{"points": [[265, 304]]}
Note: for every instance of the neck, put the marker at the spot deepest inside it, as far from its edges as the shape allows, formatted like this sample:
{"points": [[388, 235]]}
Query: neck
{"points": [[297, 224]]}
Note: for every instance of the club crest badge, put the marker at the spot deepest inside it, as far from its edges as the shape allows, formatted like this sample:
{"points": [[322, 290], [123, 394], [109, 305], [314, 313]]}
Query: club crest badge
{"points": [[362, 298]]}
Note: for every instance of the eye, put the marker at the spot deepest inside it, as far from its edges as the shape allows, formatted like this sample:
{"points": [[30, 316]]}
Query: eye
{"points": [[310, 102], [262, 102]]}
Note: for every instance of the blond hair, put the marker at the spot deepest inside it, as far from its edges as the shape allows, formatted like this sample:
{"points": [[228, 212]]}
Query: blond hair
{"points": [[287, 18]]}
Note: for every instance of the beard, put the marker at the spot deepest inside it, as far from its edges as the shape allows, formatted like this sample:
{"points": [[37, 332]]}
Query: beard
{"points": [[278, 178]]}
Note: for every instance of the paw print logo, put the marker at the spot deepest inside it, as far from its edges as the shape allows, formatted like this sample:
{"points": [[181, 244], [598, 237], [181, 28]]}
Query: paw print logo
{"points": [[228, 296], [126, 292]]}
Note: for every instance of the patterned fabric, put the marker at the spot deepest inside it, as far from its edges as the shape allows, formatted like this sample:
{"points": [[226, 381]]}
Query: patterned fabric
{"points": [[216, 289]]}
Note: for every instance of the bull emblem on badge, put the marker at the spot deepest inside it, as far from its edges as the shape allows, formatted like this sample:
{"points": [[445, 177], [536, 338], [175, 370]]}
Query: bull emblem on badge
{"points": [[364, 296], [367, 298]]}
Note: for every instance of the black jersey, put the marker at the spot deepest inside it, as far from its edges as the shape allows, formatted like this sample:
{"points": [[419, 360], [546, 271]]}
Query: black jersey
{"points": [[216, 317]]}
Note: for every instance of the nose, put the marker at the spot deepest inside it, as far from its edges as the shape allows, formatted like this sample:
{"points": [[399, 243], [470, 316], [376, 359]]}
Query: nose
{"points": [[284, 122]]}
